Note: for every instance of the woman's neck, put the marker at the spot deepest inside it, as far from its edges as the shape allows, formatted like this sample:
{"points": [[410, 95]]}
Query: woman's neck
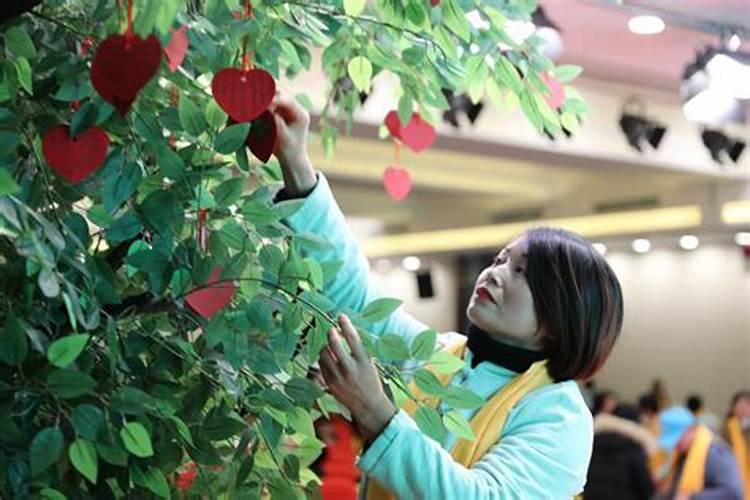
{"points": [[485, 347]]}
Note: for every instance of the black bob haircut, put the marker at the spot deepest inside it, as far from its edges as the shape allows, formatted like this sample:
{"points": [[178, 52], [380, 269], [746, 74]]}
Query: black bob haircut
{"points": [[577, 300]]}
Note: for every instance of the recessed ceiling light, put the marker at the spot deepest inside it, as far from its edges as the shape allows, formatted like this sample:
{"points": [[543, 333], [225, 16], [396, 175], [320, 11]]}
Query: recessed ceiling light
{"points": [[412, 263], [689, 242], [641, 245], [600, 247], [646, 25]]}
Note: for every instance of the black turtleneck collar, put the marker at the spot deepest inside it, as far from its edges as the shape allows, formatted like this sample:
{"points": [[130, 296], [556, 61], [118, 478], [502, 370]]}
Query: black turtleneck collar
{"points": [[485, 348]]}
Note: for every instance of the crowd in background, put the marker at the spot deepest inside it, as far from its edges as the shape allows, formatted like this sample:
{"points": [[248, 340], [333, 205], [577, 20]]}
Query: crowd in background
{"points": [[650, 449]]}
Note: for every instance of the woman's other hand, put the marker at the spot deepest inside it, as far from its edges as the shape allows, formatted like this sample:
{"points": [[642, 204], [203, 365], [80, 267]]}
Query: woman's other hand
{"points": [[353, 380], [293, 123]]}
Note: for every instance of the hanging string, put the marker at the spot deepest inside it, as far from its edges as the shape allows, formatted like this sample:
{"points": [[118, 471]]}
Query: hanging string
{"points": [[397, 151], [129, 26], [202, 231], [119, 16], [174, 99], [247, 13]]}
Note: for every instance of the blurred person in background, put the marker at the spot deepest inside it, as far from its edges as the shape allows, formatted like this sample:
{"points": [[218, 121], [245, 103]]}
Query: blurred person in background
{"points": [[659, 391], [700, 466], [619, 467], [648, 408], [737, 433], [695, 404], [605, 402]]}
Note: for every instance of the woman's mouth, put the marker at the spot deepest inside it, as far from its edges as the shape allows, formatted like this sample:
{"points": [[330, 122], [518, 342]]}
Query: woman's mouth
{"points": [[483, 294]]}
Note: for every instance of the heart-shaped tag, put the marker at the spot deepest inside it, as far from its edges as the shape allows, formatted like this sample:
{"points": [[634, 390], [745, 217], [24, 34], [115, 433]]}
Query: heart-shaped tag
{"points": [[556, 96], [243, 95], [418, 134], [393, 124], [211, 299], [74, 159], [262, 137], [177, 48], [122, 66], [397, 182]]}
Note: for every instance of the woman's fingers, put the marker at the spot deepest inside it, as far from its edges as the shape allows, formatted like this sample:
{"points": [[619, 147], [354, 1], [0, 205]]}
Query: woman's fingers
{"points": [[346, 363], [352, 338], [329, 367], [287, 108]]}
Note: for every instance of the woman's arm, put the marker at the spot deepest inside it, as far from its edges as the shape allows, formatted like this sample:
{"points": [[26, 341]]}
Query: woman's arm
{"points": [[352, 286]]}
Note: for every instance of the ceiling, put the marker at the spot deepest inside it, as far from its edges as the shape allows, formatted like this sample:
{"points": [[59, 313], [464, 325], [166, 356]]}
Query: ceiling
{"points": [[596, 36]]}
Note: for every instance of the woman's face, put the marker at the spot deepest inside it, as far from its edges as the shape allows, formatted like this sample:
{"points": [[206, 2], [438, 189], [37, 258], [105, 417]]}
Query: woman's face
{"points": [[741, 408], [502, 304]]}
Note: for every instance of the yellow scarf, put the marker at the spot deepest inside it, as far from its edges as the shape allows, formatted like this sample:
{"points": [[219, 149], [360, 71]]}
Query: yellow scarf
{"points": [[693, 476], [739, 446], [487, 423]]}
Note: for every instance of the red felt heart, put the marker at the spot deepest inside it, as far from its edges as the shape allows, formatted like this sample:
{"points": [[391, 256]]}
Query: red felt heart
{"points": [[211, 299], [122, 66], [393, 124], [434, 3], [177, 48], [556, 96], [418, 134], [74, 159], [244, 95], [262, 137], [397, 182]]}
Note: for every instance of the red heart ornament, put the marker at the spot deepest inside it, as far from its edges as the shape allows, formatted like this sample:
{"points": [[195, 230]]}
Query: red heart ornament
{"points": [[393, 124], [556, 96], [211, 299], [122, 66], [418, 134], [397, 182], [243, 95], [74, 159], [262, 137], [176, 48]]}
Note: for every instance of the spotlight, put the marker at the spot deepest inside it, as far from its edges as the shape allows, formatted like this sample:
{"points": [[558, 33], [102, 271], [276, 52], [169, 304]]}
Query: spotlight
{"points": [[717, 143], [460, 104], [689, 242], [638, 129], [646, 25], [600, 247], [641, 245], [412, 263], [713, 85]]}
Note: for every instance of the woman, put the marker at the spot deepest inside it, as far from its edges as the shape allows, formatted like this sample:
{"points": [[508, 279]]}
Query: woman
{"points": [[737, 433], [544, 313]]}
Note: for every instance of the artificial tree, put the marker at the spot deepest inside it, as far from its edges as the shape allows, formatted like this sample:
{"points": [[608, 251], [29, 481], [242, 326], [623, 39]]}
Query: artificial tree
{"points": [[156, 312]]}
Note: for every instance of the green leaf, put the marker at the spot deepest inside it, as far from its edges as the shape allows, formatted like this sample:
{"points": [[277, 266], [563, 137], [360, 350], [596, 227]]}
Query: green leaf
{"points": [[354, 7], [46, 449], [567, 73], [84, 118], [51, 494], [507, 73], [569, 122], [428, 383], [126, 227], [82, 454], [191, 118], [405, 108], [423, 345], [460, 397], [162, 211], [153, 480], [131, 401], [446, 363], [14, 346], [120, 187], [180, 281], [48, 283], [170, 163], [429, 422], [182, 429], [8, 184], [221, 427], [69, 384], [380, 309], [455, 19], [456, 423], [137, 439], [87, 419], [231, 138], [228, 192], [259, 213], [393, 347], [64, 351], [23, 70], [19, 42], [215, 116], [302, 391], [360, 71]]}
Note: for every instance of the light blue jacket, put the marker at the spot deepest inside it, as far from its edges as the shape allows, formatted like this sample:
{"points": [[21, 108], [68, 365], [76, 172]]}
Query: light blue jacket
{"points": [[546, 443]]}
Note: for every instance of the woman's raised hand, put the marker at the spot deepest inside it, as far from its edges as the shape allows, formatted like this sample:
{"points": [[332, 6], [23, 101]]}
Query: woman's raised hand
{"points": [[293, 123]]}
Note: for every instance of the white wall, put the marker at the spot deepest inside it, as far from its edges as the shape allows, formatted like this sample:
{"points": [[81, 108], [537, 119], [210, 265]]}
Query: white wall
{"points": [[687, 317]]}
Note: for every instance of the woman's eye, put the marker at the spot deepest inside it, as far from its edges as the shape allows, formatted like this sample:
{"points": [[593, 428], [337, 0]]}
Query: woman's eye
{"points": [[521, 270]]}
